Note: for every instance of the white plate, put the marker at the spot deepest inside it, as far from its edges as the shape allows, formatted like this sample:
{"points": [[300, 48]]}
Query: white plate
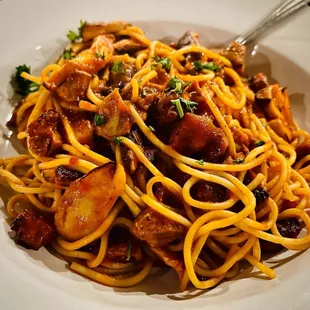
{"points": [[33, 32]]}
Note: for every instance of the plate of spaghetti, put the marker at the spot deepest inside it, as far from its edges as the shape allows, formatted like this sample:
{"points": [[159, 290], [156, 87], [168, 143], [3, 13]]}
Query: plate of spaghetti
{"points": [[150, 162]]}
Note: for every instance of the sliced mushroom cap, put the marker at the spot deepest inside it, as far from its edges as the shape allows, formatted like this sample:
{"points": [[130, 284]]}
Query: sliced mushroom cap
{"points": [[265, 95], [91, 31], [128, 46], [258, 82], [235, 52], [188, 38], [87, 201], [75, 87], [86, 61], [117, 117]]}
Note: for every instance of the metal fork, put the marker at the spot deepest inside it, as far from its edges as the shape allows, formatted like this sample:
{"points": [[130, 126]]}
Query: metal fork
{"points": [[284, 9]]}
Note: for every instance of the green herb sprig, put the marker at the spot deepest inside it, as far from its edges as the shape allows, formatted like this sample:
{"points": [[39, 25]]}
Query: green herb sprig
{"points": [[164, 62], [24, 87], [73, 36], [117, 140], [117, 67], [198, 65], [99, 120]]}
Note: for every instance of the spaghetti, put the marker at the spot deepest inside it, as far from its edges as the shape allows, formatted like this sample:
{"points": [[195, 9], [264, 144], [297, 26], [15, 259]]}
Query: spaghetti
{"points": [[142, 151]]}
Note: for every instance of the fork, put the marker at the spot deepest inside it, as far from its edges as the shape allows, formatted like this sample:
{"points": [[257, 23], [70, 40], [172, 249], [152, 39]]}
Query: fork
{"points": [[284, 9]]}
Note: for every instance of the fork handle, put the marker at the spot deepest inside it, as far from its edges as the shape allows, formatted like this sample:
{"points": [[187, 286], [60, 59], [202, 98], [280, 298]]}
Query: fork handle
{"points": [[285, 9]]}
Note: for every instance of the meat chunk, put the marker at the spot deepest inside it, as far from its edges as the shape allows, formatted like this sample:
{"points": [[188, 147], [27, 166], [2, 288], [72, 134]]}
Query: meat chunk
{"points": [[210, 192], [155, 229], [103, 89], [65, 176], [84, 130], [235, 52], [303, 149], [87, 61], [172, 259], [88, 200], [44, 139], [289, 228], [124, 252], [33, 230], [196, 94], [197, 133], [260, 194], [148, 97], [166, 112], [130, 159], [128, 46], [117, 116], [120, 79], [188, 38], [286, 204], [75, 87], [258, 82], [91, 31]]}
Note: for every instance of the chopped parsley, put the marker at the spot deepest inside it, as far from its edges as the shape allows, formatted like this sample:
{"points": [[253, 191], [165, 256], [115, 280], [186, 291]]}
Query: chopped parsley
{"points": [[151, 128], [117, 67], [129, 251], [259, 143], [82, 24], [24, 87], [239, 160], [177, 103], [164, 62], [118, 140], [175, 85], [98, 55], [206, 65], [99, 120], [189, 105], [200, 162], [73, 36], [67, 54]]}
